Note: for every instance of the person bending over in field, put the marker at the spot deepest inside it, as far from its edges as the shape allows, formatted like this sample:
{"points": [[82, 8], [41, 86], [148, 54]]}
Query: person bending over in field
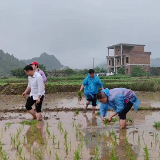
{"points": [[36, 89], [91, 84], [119, 99]]}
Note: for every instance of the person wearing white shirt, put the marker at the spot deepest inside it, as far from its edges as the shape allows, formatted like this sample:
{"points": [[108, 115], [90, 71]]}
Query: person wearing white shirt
{"points": [[36, 89]]}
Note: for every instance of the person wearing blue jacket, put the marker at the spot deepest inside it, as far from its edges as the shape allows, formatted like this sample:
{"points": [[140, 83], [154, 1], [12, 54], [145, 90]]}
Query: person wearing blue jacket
{"points": [[91, 86], [119, 99]]}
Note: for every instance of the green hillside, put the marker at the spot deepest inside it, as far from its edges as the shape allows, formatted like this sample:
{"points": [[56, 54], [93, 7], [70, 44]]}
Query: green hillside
{"points": [[50, 61], [7, 63]]}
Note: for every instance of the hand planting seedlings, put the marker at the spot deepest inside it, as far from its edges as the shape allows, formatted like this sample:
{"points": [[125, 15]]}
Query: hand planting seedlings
{"points": [[106, 121]]}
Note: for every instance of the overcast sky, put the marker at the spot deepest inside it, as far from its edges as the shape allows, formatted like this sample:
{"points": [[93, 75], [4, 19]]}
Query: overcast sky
{"points": [[76, 31]]}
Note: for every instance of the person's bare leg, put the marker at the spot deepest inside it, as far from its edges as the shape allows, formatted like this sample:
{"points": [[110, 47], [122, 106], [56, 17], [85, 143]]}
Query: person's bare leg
{"points": [[87, 103], [93, 109], [32, 112], [39, 116], [34, 107], [122, 123]]}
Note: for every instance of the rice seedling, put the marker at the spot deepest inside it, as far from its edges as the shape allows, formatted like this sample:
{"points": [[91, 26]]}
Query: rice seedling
{"points": [[96, 153], [50, 151], [114, 120], [73, 124], [105, 122], [76, 112], [98, 113], [77, 154], [53, 138], [87, 141], [65, 136], [60, 126], [70, 145], [58, 144], [129, 120], [79, 95], [66, 148], [57, 158], [112, 154], [128, 151], [3, 154], [139, 140], [20, 151], [8, 124], [31, 122], [156, 124], [146, 153], [47, 130]]}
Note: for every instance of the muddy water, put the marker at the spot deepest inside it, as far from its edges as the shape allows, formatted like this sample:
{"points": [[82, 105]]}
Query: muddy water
{"points": [[84, 131], [69, 100]]}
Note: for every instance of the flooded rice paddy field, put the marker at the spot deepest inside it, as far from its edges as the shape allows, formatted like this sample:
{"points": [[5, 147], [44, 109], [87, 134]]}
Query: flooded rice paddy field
{"points": [[76, 135], [69, 135], [69, 100]]}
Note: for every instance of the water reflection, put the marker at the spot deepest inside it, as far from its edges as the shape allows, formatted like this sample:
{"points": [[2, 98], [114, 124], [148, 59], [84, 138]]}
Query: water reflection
{"points": [[94, 121], [110, 142], [36, 140]]}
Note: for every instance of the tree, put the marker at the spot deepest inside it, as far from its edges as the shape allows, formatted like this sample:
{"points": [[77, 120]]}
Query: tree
{"points": [[137, 71], [121, 70], [18, 73], [70, 71]]}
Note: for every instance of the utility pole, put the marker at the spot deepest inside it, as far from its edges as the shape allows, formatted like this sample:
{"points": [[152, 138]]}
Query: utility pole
{"points": [[93, 63]]}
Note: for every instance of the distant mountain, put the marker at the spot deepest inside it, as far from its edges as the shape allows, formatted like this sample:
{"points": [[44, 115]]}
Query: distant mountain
{"points": [[155, 62], [8, 62], [50, 61], [102, 65]]}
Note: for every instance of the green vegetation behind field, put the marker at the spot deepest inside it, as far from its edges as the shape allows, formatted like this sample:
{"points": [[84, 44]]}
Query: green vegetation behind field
{"points": [[73, 83]]}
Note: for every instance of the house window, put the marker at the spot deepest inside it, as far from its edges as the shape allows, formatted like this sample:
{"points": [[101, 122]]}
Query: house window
{"points": [[127, 59]]}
